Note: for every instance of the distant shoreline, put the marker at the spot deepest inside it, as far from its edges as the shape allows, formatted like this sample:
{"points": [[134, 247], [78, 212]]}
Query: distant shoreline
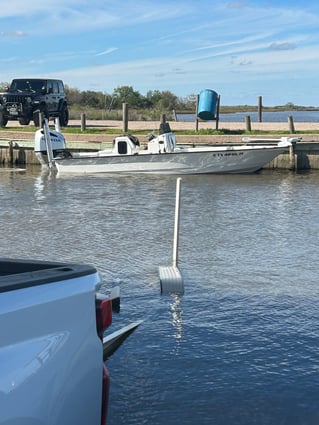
{"points": [[224, 109]]}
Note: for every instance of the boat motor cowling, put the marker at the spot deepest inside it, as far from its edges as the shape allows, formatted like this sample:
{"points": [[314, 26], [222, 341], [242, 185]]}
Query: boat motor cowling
{"points": [[57, 141]]}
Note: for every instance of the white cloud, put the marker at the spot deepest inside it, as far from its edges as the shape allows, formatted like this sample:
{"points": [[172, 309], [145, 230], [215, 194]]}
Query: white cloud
{"points": [[175, 46], [107, 51]]}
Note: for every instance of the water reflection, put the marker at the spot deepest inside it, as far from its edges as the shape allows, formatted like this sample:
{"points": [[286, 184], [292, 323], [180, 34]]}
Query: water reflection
{"points": [[39, 186], [176, 310]]}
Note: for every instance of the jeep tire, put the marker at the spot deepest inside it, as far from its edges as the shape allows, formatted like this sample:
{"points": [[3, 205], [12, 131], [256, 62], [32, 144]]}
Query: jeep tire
{"points": [[64, 116], [3, 119], [24, 121]]}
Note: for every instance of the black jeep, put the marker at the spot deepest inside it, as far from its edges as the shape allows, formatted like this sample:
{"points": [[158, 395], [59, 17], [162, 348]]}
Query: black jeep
{"points": [[28, 98]]}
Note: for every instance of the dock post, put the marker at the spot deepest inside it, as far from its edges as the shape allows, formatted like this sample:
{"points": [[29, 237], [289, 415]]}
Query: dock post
{"points": [[260, 108], [83, 122], [125, 117], [291, 125], [293, 160], [248, 123], [11, 152], [57, 124]]}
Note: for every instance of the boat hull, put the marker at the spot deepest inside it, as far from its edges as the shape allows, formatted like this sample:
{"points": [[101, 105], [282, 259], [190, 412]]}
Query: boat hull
{"points": [[191, 161]]}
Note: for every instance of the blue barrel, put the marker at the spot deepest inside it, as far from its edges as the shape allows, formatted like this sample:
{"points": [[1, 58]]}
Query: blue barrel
{"points": [[207, 105]]}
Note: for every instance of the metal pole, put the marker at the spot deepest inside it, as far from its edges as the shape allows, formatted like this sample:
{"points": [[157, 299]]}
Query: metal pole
{"points": [[217, 111], [196, 112], [176, 224], [47, 138]]}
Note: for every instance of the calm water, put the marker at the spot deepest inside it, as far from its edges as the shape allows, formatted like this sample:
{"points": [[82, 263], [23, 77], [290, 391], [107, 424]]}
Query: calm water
{"points": [[282, 116], [241, 346]]}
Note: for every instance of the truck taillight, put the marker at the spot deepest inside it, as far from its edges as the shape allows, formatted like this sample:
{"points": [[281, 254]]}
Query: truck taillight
{"points": [[103, 314], [103, 307]]}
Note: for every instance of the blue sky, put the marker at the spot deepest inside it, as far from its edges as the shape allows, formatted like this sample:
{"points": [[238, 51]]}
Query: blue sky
{"points": [[240, 49]]}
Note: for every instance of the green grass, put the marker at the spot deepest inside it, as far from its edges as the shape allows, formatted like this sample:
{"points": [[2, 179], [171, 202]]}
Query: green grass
{"points": [[116, 131]]}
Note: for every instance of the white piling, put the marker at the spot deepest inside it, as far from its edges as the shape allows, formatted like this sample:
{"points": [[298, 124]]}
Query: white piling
{"points": [[57, 124], [176, 222], [170, 277], [47, 139]]}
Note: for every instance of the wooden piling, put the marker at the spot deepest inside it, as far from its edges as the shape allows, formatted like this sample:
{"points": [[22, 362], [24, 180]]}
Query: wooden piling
{"points": [[260, 108], [291, 125], [292, 158], [248, 123], [83, 122], [11, 153], [125, 117]]}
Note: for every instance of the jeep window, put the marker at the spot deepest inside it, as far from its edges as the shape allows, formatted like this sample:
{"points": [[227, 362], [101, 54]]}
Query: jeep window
{"points": [[55, 87], [61, 88], [27, 85], [50, 87]]}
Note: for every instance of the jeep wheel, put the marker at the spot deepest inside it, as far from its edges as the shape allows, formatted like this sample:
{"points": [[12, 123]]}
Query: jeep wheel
{"points": [[24, 121], [3, 121], [64, 116]]}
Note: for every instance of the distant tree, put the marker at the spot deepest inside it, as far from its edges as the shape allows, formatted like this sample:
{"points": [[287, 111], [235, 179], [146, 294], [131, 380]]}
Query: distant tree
{"points": [[126, 94], [153, 97], [73, 95], [4, 86], [162, 100], [290, 105], [92, 98]]}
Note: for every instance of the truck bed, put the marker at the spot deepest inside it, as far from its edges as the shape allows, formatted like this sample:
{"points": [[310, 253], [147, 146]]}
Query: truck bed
{"points": [[19, 273]]}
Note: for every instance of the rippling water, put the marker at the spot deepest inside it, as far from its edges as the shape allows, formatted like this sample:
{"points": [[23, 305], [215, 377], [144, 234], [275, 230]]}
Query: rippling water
{"points": [[241, 345]]}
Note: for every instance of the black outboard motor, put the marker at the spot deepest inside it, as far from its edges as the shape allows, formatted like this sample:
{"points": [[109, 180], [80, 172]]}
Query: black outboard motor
{"points": [[164, 128]]}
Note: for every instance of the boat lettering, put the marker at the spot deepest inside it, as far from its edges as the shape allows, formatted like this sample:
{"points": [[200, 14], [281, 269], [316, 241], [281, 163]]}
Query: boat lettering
{"points": [[229, 154]]}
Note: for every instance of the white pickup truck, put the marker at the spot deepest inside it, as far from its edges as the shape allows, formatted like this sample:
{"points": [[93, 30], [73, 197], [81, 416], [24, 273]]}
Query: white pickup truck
{"points": [[52, 321]]}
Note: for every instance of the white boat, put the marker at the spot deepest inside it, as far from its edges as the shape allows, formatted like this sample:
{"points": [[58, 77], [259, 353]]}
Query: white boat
{"points": [[162, 155]]}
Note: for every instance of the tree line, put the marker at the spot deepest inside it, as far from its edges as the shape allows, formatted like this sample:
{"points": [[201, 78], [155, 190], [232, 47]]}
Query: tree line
{"points": [[154, 99]]}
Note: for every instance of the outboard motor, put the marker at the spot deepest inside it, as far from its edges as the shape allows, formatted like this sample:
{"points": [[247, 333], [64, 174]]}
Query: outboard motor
{"points": [[58, 145], [164, 143]]}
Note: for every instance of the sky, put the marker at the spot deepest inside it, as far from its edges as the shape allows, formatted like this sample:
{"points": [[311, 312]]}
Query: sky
{"points": [[240, 49]]}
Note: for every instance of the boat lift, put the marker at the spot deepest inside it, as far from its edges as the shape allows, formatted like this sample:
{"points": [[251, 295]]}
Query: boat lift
{"points": [[170, 277]]}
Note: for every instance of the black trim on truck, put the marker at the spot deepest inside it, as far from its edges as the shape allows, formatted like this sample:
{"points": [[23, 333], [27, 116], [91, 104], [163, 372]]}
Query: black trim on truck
{"points": [[19, 273]]}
